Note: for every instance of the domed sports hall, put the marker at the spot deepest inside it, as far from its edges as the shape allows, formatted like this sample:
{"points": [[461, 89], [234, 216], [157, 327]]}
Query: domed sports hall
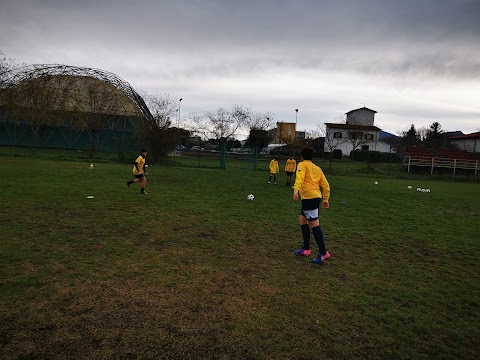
{"points": [[60, 106]]}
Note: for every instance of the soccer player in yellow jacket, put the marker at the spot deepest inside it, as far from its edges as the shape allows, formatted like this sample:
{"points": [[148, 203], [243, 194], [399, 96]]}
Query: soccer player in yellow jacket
{"points": [[139, 171], [274, 170], [290, 167], [312, 186]]}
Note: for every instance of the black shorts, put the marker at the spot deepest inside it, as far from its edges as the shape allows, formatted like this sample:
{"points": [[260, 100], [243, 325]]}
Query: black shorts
{"points": [[289, 173], [139, 176], [310, 204], [310, 208]]}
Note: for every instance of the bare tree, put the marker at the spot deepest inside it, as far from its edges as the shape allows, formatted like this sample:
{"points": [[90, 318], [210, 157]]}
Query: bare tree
{"points": [[259, 121], [357, 135], [314, 133], [97, 104], [422, 133], [258, 125], [160, 133], [222, 124], [6, 64], [332, 142], [40, 102], [163, 108]]}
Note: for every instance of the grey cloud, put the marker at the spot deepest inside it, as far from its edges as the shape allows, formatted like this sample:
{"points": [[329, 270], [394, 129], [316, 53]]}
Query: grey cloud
{"points": [[167, 42]]}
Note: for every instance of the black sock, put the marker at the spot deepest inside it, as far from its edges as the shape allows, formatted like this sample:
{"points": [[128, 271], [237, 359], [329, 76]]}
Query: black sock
{"points": [[130, 182], [306, 236], [142, 190], [318, 234]]}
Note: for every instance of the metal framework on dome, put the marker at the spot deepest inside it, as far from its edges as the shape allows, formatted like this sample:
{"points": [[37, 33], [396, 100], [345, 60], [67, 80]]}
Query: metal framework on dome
{"points": [[16, 76]]}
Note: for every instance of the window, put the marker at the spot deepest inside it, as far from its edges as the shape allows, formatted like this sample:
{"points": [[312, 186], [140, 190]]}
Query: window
{"points": [[368, 136], [355, 135], [337, 135]]}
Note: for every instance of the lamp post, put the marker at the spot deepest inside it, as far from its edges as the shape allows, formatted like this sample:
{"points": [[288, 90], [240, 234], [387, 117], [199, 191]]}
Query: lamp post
{"points": [[179, 104], [177, 129], [268, 125], [295, 133]]}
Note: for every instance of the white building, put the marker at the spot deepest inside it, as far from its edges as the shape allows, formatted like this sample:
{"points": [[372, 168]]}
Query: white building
{"points": [[362, 116], [358, 132], [468, 142]]}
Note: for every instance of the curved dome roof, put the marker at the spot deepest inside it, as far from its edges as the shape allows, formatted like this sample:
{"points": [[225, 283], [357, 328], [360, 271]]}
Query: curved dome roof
{"points": [[82, 88]]}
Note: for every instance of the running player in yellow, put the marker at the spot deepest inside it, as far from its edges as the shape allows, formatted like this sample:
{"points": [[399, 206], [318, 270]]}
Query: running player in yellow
{"points": [[309, 179], [139, 171], [290, 168], [274, 170]]}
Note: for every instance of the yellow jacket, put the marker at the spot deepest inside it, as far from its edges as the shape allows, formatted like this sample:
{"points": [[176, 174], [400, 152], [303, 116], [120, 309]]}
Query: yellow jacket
{"points": [[291, 165], [274, 167], [140, 163], [308, 181]]}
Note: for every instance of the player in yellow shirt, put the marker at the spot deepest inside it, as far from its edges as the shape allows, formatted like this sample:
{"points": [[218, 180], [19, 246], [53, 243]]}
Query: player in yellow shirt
{"points": [[308, 182], [274, 170], [139, 171], [290, 167]]}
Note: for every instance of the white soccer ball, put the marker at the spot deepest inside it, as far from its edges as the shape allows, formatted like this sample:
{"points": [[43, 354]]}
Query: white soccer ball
{"points": [[376, 182], [91, 167], [146, 166], [409, 187], [250, 197]]}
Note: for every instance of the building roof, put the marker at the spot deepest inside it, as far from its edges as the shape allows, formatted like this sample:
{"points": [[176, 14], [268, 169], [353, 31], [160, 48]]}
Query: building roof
{"points": [[364, 108], [386, 135], [73, 87], [467, 136], [352, 127], [449, 134]]}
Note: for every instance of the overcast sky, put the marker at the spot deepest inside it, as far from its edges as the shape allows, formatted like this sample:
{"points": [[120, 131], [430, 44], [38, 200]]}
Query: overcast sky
{"points": [[412, 61]]}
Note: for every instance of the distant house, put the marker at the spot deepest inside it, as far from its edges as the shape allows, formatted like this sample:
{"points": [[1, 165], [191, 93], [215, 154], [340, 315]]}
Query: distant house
{"points": [[384, 146], [285, 133], [386, 142], [362, 116], [468, 142], [357, 133]]}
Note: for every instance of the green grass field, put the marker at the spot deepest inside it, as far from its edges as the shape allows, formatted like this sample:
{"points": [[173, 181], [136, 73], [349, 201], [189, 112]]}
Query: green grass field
{"points": [[192, 270]]}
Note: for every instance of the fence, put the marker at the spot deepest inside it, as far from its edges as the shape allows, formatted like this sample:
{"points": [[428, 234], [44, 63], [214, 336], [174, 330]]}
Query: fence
{"points": [[116, 135], [441, 163]]}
